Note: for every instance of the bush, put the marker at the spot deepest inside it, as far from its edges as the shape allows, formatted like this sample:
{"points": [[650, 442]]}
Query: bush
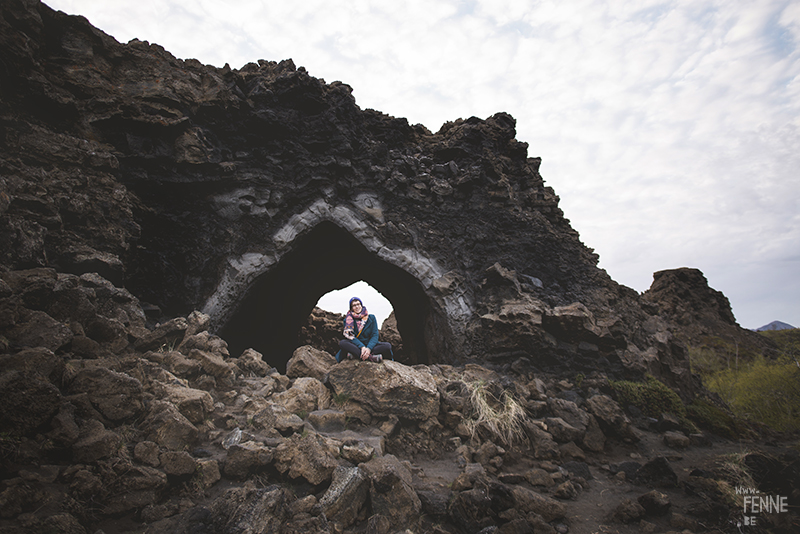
{"points": [[652, 397], [712, 418]]}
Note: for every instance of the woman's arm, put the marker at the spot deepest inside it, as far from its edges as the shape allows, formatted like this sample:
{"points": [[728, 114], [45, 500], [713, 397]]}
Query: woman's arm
{"points": [[371, 332]]}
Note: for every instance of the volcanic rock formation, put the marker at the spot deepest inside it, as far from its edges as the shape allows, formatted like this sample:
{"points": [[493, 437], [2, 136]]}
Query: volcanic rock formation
{"points": [[250, 193], [166, 228]]}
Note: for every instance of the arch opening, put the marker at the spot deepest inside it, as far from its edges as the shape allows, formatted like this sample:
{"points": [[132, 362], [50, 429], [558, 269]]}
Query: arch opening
{"points": [[278, 303]]}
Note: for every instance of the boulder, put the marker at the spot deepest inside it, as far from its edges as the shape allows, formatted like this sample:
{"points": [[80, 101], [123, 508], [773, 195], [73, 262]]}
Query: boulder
{"points": [[147, 452], [311, 456], [628, 511], [194, 404], [306, 395], [570, 413], [308, 361], [471, 509], [38, 329], [391, 493], [527, 500], [95, 442], [611, 418], [562, 431], [657, 472], [29, 402], [676, 440], [39, 360], [165, 425], [177, 463], [245, 459], [251, 363], [248, 510], [544, 446], [117, 396], [390, 388], [135, 488], [654, 502], [346, 496], [213, 364]]}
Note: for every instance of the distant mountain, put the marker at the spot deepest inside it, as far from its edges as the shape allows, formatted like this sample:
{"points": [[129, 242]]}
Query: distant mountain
{"points": [[775, 325]]}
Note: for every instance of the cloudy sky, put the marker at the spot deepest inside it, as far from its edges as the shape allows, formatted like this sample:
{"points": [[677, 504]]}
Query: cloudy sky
{"points": [[670, 129]]}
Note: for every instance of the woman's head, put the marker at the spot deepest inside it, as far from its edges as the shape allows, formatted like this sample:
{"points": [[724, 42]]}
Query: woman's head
{"points": [[355, 304]]}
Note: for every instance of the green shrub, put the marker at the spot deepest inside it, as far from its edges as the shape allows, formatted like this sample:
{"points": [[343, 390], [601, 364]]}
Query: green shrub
{"points": [[712, 418], [652, 397]]}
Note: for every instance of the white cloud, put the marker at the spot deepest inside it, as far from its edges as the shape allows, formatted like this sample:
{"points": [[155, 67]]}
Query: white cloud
{"points": [[669, 129]]}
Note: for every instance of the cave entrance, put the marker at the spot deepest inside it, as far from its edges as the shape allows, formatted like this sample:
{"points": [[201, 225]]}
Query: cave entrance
{"points": [[328, 257]]}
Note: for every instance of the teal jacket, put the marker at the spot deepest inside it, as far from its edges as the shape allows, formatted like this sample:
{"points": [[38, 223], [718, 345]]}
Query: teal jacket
{"points": [[369, 334], [367, 338]]}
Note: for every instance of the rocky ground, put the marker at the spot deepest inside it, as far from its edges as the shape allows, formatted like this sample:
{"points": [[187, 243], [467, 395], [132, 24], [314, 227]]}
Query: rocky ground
{"points": [[111, 424]]}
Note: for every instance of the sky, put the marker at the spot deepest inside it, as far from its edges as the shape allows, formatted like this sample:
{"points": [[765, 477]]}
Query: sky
{"points": [[669, 129]]}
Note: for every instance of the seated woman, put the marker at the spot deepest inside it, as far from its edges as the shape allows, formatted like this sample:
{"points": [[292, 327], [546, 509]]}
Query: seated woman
{"points": [[361, 335]]}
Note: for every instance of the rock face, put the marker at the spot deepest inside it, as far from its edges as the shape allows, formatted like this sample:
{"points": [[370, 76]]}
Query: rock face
{"points": [[698, 312], [250, 193]]}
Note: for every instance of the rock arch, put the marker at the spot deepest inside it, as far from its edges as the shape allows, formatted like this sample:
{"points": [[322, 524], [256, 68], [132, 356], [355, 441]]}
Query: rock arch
{"points": [[263, 299]]}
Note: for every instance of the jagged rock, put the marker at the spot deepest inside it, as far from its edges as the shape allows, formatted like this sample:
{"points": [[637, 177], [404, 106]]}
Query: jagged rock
{"points": [[194, 404], [177, 463], [539, 477], [38, 329], [117, 396], [654, 502], [213, 364], [391, 493], [168, 335], [165, 425], [544, 447], [389, 388], [276, 416], [657, 472], [28, 402], [529, 501], [570, 451], [347, 494], [470, 509], [611, 418], [20, 495], [570, 413], [95, 442], [466, 480], [566, 491], [252, 511], [562, 431], [38, 360], [246, 458], [207, 473], [311, 457], [182, 366], [676, 440], [251, 362], [357, 451], [137, 487], [65, 430], [306, 395], [391, 334], [311, 362], [628, 511], [594, 439], [147, 452]]}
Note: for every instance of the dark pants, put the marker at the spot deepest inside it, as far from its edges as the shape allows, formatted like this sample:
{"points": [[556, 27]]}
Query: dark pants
{"points": [[383, 348]]}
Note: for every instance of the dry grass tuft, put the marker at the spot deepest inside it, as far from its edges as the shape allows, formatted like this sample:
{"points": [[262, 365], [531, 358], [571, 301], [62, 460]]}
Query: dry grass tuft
{"points": [[502, 417]]}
